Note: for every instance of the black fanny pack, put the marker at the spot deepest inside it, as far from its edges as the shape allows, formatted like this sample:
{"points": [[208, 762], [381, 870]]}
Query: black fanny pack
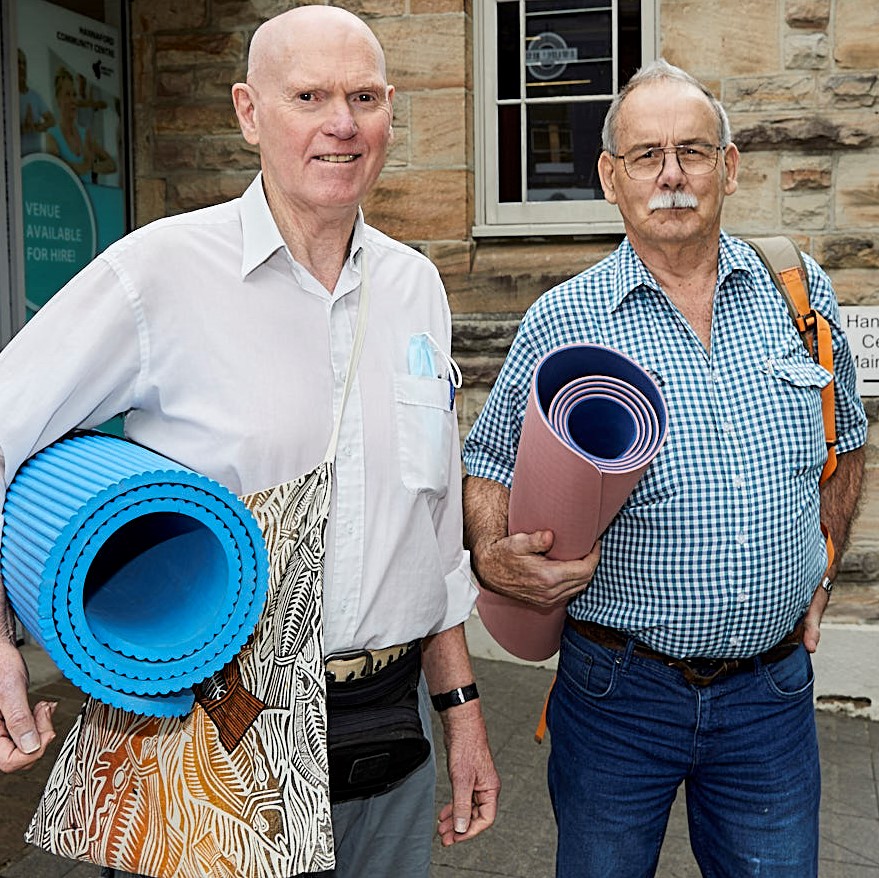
{"points": [[374, 735]]}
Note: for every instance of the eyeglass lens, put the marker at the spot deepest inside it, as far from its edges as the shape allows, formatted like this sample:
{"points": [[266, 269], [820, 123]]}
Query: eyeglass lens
{"points": [[693, 158]]}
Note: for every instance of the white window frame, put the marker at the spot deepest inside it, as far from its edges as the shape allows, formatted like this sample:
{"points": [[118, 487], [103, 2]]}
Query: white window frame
{"points": [[495, 218]]}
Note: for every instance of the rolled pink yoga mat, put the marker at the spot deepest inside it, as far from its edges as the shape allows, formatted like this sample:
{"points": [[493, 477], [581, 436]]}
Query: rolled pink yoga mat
{"points": [[593, 423]]}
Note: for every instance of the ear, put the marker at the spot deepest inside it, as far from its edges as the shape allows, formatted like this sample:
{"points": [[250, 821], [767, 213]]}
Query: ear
{"points": [[390, 98], [245, 109], [731, 164], [606, 173]]}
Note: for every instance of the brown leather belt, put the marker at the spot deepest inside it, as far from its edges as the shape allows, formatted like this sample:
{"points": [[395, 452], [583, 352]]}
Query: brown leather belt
{"points": [[697, 671], [343, 667]]}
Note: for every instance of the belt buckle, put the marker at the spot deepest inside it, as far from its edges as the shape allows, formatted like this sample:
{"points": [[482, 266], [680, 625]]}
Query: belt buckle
{"points": [[351, 655], [695, 677]]}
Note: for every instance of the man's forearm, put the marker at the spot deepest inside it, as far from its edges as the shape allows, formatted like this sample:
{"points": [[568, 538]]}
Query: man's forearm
{"points": [[486, 506], [839, 500]]}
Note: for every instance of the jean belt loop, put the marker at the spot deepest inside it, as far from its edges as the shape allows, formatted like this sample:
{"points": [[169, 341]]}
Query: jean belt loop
{"points": [[627, 654]]}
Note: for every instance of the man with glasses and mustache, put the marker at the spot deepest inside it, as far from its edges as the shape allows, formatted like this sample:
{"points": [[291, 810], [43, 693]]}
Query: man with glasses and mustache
{"points": [[685, 657]]}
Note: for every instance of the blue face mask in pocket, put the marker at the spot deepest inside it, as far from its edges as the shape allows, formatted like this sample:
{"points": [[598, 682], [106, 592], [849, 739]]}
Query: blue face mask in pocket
{"points": [[421, 358]]}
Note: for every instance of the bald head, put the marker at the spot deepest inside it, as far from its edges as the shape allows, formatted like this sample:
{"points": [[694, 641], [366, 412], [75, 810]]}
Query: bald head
{"points": [[305, 26]]}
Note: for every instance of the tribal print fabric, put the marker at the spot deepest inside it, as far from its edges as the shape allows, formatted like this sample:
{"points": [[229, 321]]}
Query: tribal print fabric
{"points": [[239, 788]]}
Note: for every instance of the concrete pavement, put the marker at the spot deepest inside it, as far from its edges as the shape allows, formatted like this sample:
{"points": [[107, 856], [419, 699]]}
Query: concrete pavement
{"points": [[521, 844]]}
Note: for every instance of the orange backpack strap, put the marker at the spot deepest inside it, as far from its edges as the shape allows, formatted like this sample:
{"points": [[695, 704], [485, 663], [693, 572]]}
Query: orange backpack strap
{"points": [[540, 731], [783, 260]]}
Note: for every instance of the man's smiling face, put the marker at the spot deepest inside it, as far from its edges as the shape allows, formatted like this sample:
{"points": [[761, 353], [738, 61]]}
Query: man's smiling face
{"points": [[322, 118]]}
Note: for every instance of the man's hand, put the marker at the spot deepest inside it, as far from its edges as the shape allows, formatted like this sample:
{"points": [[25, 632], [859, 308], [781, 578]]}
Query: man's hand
{"points": [[475, 783], [812, 619], [24, 734], [517, 566]]}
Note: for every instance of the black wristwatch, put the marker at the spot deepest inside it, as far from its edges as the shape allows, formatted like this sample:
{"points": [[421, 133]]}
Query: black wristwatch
{"points": [[461, 695]]}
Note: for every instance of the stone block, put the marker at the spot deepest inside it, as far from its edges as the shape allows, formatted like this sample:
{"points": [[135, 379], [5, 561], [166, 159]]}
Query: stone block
{"points": [[372, 8], [850, 90], [148, 16], [215, 82], [469, 403], [807, 131], [848, 251], [806, 51], [234, 14], [695, 35], [175, 84], [143, 74], [856, 34], [192, 191], [228, 154], [176, 154], [399, 151], [438, 133], [857, 190], [805, 172], [420, 205], [424, 51], [451, 257], [812, 14], [187, 50], [805, 210], [149, 200], [855, 286], [786, 92], [432, 7], [564, 258], [754, 207], [203, 118]]}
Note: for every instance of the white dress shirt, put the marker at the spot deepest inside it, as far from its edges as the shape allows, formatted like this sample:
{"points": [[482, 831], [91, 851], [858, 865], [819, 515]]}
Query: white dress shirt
{"points": [[229, 357]]}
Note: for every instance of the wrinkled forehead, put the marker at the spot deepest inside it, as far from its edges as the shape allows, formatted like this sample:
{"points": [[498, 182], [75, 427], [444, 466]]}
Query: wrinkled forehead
{"points": [[666, 112]]}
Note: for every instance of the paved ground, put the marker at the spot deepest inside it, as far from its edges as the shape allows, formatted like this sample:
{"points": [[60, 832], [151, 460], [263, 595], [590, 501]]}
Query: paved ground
{"points": [[521, 844]]}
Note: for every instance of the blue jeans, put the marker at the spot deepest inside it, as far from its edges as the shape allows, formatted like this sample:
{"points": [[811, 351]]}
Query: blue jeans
{"points": [[627, 731]]}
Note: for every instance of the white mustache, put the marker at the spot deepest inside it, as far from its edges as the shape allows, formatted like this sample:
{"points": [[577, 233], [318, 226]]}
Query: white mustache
{"points": [[669, 200]]}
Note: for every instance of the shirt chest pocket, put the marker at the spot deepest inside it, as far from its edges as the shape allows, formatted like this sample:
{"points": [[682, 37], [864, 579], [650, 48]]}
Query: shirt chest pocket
{"points": [[795, 384], [425, 421]]}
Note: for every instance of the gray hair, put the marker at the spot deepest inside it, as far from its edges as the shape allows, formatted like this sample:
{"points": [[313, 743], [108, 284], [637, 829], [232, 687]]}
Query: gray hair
{"points": [[660, 71]]}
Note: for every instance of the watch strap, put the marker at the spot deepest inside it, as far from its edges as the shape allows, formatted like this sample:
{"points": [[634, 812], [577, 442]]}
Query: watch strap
{"points": [[461, 695]]}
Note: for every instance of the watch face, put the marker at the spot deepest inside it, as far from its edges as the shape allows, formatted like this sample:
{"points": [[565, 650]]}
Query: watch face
{"points": [[827, 584]]}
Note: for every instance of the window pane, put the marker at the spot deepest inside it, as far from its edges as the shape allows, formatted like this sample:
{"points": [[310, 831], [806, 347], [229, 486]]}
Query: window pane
{"points": [[509, 153], [564, 142], [628, 39], [508, 50], [568, 49]]}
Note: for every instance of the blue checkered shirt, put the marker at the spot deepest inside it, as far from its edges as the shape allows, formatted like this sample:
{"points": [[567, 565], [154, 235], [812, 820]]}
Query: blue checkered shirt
{"points": [[718, 549]]}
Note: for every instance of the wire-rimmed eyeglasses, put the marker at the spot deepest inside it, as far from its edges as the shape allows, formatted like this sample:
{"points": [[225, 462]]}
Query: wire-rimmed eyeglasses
{"points": [[646, 163]]}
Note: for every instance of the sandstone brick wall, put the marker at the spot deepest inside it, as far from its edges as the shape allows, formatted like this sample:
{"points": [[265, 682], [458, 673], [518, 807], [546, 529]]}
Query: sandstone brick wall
{"points": [[800, 79]]}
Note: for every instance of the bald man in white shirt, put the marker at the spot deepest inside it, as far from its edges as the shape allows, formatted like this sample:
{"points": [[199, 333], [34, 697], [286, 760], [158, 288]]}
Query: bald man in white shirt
{"points": [[223, 336]]}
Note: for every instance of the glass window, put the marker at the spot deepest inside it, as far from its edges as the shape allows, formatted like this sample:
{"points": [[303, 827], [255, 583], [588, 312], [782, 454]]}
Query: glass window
{"points": [[549, 71]]}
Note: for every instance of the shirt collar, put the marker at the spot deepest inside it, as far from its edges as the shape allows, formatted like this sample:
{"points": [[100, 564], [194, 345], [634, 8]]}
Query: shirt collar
{"points": [[632, 273], [261, 237]]}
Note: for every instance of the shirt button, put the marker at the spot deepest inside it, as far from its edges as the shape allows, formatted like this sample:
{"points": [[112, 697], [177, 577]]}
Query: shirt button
{"points": [[350, 527], [347, 451], [716, 378], [770, 365], [735, 641], [727, 426], [742, 597], [340, 376], [738, 481], [741, 538]]}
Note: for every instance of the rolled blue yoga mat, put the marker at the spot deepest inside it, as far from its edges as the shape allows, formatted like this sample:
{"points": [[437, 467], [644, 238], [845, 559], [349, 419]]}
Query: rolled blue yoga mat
{"points": [[138, 576]]}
